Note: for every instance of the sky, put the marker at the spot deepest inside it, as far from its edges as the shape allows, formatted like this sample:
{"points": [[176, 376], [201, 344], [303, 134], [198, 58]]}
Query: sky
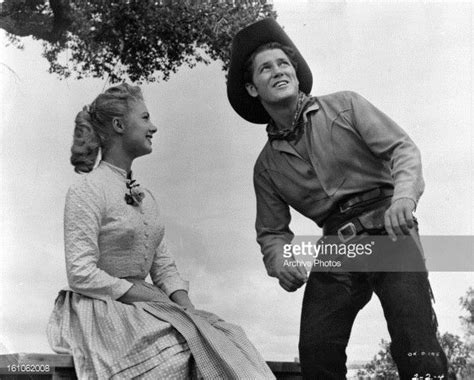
{"points": [[413, 60]]}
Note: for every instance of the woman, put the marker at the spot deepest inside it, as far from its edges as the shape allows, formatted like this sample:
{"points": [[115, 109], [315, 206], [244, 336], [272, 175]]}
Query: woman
{"points": [[114, 323]]}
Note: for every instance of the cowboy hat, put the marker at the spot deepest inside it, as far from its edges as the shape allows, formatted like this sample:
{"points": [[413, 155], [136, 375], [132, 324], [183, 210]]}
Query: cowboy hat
{"points": [[243, 45]]}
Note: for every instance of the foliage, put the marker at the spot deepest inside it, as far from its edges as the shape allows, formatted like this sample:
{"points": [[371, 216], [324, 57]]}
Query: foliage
{"points": [[382, 365], [467, 303], [143, 40], [458, 352]]}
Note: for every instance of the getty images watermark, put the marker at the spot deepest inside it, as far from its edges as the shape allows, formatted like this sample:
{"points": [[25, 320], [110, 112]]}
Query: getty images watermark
{"points": [[330, 251], [378, 253]]}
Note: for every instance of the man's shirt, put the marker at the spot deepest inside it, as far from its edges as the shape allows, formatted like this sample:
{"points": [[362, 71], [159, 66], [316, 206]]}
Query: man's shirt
{"points": [[349, 147]]}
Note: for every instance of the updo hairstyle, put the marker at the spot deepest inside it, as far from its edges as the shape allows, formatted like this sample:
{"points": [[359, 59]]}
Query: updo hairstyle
{"points": [[93, 125]]}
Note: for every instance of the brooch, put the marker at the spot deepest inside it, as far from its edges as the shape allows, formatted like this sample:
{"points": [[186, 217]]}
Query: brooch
{"points": [[135, 195]]}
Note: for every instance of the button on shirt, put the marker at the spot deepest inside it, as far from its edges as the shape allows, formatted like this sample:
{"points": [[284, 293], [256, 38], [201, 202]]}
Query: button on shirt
{"points": [[351, 147]]}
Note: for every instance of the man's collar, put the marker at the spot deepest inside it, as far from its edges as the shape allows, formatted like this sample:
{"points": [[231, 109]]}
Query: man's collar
{"points": [[310, 108], [308, 104]]}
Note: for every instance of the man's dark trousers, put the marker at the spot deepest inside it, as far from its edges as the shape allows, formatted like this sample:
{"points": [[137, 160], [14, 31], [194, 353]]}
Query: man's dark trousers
{"points": [[332, 301]]}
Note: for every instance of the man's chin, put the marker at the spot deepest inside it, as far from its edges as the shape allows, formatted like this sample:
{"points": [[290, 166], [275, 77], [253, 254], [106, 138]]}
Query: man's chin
{"points": [[286, 98]]}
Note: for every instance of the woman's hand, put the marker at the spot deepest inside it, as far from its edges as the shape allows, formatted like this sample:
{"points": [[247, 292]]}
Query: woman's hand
{"points": [[181, 297]]}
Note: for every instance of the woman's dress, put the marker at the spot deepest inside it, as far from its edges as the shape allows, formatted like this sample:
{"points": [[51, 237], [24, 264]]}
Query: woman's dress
{"points": [[110, 245]]}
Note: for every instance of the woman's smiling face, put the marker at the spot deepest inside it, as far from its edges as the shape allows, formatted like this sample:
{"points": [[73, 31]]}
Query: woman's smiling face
{"points": [[139, 130]]}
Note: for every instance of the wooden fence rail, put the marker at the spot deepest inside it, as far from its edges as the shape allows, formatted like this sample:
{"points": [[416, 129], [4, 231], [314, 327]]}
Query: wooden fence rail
{"points": [[23, 366]]}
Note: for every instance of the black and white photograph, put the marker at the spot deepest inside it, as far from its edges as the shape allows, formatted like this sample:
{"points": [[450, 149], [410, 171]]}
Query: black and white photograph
{"points": [[225, 189]]}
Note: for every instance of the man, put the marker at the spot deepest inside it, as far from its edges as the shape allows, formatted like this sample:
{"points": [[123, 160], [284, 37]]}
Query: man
{"points": [[344, 164]]}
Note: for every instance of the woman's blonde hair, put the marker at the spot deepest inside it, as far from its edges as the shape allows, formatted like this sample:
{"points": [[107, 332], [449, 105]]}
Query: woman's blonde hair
{"points": [[93, 125]]}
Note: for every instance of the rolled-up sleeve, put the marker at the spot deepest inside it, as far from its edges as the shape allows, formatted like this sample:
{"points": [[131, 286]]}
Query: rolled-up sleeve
{"points": [[387, 140], [82, 216], [164, 273], [272, 222]]}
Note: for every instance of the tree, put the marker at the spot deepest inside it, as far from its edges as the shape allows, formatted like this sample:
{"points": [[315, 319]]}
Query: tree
{"points": [[143, 40], [458, 352], [467, 304], [382, 365]]}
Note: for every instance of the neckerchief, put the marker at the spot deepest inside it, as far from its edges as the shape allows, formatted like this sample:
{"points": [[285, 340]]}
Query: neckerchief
{"points": [[294, 132]]}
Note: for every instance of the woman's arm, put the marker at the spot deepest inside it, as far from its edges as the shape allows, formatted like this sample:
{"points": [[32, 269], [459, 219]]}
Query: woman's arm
{"points": [[164, 273], [143, 293], [140, 293], [82, 219]]}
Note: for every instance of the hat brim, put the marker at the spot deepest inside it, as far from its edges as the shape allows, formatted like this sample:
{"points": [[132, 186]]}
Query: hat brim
{"points": [[243, 45]]}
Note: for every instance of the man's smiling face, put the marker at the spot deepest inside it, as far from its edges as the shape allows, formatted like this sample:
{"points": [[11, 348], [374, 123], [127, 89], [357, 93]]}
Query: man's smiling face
{"points": [[274, 78]]}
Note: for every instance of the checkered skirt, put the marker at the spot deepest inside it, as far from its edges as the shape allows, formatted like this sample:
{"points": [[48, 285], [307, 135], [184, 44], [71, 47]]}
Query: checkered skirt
{"points": [[150, 340]]}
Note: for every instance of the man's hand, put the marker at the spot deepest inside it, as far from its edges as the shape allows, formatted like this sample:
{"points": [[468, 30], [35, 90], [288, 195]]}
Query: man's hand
{"points": [[289, 277], [399, 218]]}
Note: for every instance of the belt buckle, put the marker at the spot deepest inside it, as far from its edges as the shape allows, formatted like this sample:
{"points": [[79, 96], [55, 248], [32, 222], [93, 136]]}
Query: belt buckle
{"points": [[347, 232]]}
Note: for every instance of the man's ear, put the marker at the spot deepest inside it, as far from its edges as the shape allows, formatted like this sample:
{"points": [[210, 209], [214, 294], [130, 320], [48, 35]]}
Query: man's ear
{"points": [[118, 125], [251, 89]]}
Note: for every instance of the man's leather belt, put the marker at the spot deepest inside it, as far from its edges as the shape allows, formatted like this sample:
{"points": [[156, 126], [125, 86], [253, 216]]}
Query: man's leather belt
{"points": [[379, 192], [371, 221]]}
